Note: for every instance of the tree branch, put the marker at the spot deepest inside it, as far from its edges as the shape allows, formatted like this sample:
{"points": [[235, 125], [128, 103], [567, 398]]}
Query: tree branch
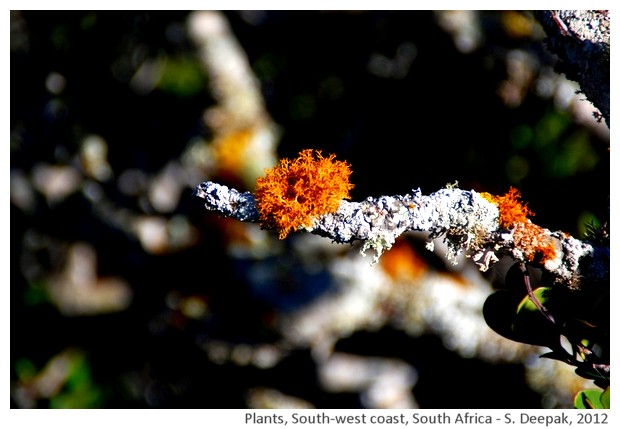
{"points": [[581, 40], [467, 221]]}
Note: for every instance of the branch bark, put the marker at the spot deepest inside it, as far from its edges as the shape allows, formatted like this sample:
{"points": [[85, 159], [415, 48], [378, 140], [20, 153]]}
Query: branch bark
{"points": [[467, 221], [581, 40]]}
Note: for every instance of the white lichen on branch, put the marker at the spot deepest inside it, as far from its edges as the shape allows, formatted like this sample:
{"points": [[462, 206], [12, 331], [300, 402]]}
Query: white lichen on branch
{"points": [[228, 202], [466, 220], [581, 39]]}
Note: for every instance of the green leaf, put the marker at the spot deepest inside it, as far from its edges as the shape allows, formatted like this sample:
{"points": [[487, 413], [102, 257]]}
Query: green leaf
{"points": [[527, 304], [530, 325], [592, 374], [498, 310], [605, 398], [592, 399], [520, 321]]}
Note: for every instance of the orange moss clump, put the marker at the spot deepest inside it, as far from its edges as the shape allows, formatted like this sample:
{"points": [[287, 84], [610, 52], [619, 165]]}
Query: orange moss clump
{"points": [[511, 210], [533, 240], [295, 192]]}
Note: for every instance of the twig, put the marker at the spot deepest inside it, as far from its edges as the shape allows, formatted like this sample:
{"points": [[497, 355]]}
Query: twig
{"points": [[530, 293]]}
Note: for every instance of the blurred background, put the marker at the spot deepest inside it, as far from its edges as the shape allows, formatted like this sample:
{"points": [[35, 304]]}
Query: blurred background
{"points": [[126, 293]]}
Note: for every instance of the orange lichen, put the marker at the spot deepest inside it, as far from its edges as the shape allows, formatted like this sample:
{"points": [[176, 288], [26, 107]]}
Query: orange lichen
{"points": [[534, 242], [295, 192], [531, 239], [511, 210]]}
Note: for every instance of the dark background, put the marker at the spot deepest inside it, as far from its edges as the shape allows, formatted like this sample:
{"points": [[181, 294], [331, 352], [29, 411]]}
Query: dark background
{"points": [[443, 119]]}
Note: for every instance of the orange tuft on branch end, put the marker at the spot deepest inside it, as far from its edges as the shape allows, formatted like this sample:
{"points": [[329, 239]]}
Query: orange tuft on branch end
{"points": [[533, 241]]}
